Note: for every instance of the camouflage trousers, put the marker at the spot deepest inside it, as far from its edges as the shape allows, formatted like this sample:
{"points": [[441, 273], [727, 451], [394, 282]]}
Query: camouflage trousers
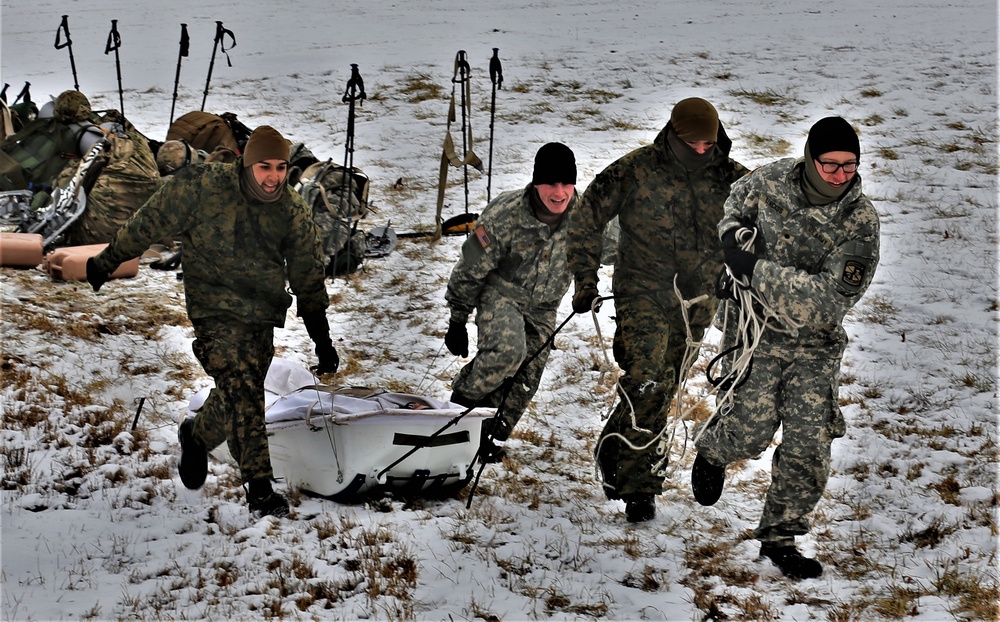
{"points": [[649, 345], [237, 357], [800, 396], [506, 338]]}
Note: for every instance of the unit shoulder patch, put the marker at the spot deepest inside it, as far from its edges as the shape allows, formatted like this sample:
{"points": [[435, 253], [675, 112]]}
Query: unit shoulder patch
{"points": [[854, 273]]}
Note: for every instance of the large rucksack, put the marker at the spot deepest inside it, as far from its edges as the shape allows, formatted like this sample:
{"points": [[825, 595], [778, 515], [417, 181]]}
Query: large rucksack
{"points": [[125, 183], [206, 131], [339, 201]]}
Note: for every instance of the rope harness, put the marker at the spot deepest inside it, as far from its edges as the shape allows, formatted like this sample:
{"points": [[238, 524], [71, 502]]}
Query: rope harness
{"points": [[755, 315]]}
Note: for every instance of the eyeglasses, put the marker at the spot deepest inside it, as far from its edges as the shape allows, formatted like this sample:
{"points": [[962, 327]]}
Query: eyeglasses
{"points": [[831, 167]]}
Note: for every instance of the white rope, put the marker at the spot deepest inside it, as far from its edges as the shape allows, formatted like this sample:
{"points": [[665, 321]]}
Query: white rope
{"points": [[754, 317]]}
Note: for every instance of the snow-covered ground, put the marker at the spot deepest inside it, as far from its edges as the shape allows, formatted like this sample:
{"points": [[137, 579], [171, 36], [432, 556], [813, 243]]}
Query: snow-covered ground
{"points": [[95, 522]]}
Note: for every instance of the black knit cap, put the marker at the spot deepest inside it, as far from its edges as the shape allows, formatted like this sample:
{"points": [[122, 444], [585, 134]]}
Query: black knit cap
{"points": [[833, 134], [554, 164]]}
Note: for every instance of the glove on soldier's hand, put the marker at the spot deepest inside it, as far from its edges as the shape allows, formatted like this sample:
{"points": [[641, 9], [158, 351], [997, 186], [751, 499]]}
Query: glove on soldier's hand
{"points": [[729, 239], [329, 360], [95, 277], [584, 298], [457, 338], [318, 328], [741, 263]]}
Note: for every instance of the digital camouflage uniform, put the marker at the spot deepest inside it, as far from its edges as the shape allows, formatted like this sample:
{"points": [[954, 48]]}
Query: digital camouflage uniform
{"points": [[667, 216], [513, 273], [814, 265], [237, 256]]}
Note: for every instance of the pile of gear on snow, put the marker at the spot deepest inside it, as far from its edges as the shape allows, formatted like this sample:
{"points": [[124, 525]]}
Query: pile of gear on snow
{"points": [[70, 176]]}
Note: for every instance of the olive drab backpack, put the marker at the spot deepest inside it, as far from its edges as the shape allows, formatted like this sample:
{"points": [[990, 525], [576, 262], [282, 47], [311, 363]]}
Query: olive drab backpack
{"points": [[36, 154], [339, 200]]}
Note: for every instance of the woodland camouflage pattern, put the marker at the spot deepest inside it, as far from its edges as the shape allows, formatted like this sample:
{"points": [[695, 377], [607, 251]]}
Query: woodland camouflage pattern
{"points": [[668, 218], [235, 256], [235, 250], [814, 265], [126, 182], [515, 284], [237, 357]]}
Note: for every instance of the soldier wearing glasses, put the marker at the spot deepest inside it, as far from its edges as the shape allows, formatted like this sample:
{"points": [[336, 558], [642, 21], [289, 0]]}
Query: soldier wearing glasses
{"points": [[816, 251]]}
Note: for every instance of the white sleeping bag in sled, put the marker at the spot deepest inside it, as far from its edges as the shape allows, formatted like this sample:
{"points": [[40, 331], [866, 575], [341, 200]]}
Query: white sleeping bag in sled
{"points": [[339, 442]]}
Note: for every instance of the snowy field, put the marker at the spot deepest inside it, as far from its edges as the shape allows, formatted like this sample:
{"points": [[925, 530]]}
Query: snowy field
{"points": [[96, 524]]}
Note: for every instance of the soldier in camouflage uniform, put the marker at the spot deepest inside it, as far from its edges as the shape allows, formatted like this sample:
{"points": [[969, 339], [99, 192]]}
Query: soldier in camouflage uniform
{"points": [[244, 232], [668, 197], [513, 273], [819, 250]]}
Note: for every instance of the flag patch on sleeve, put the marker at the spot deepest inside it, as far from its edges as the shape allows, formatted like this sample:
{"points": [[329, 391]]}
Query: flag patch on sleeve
{"points": [[482, 236]]}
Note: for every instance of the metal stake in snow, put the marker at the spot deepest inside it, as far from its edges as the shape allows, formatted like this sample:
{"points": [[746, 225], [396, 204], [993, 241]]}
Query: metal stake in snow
{"points": [[496, 77], [115, 42], [68, 44], [185, 46], [220, 34]]}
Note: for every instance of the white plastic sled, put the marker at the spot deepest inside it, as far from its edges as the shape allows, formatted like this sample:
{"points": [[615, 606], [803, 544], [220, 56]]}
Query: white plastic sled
{"points": [[342, 442]]}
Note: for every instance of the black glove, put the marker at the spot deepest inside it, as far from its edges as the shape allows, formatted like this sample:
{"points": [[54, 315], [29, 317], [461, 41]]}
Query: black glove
{"points": [[95, 277], [729, 239], [329, 360], [318, 328], [457, 338], [584, 298], [741, 263]]}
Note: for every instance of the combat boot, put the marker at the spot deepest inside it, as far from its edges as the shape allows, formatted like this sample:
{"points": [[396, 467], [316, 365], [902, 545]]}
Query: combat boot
{"points": [[193, 462], [707, 480], [263, 501], [639, 507], [792, 563]]}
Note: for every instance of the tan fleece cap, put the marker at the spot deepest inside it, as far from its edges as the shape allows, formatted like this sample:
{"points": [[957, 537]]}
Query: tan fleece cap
{"points": [[695, 119], [265, 143]]}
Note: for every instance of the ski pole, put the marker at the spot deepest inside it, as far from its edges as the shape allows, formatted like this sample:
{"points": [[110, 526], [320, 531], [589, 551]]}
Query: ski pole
{"points": [[115, 42], [496, 77], [219, 42], [355, 92], [25, 93], [463, 79], [185, 46], [68, 44]]}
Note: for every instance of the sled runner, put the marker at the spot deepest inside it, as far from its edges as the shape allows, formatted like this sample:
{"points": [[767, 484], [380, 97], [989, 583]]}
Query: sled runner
{"points": [[339, 443]]}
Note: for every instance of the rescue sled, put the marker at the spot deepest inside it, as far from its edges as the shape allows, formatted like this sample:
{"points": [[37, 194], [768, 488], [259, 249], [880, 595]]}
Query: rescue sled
{"points": [[340, 443]]}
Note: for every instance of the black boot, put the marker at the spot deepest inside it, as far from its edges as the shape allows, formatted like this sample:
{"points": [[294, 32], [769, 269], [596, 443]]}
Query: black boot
{"points": [[607, 462], [792, 563], [193, 462], [493, 430], [263, 501], [639, 507], [707, 481]]}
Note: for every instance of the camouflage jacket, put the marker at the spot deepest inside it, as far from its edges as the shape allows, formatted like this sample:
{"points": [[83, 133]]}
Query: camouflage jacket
{"points": [[667, 216], [516, 254], [237, 252], [814, 263]]}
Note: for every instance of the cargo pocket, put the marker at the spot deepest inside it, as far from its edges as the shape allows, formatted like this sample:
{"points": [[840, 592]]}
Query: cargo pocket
{"points": [[836, 427]]}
